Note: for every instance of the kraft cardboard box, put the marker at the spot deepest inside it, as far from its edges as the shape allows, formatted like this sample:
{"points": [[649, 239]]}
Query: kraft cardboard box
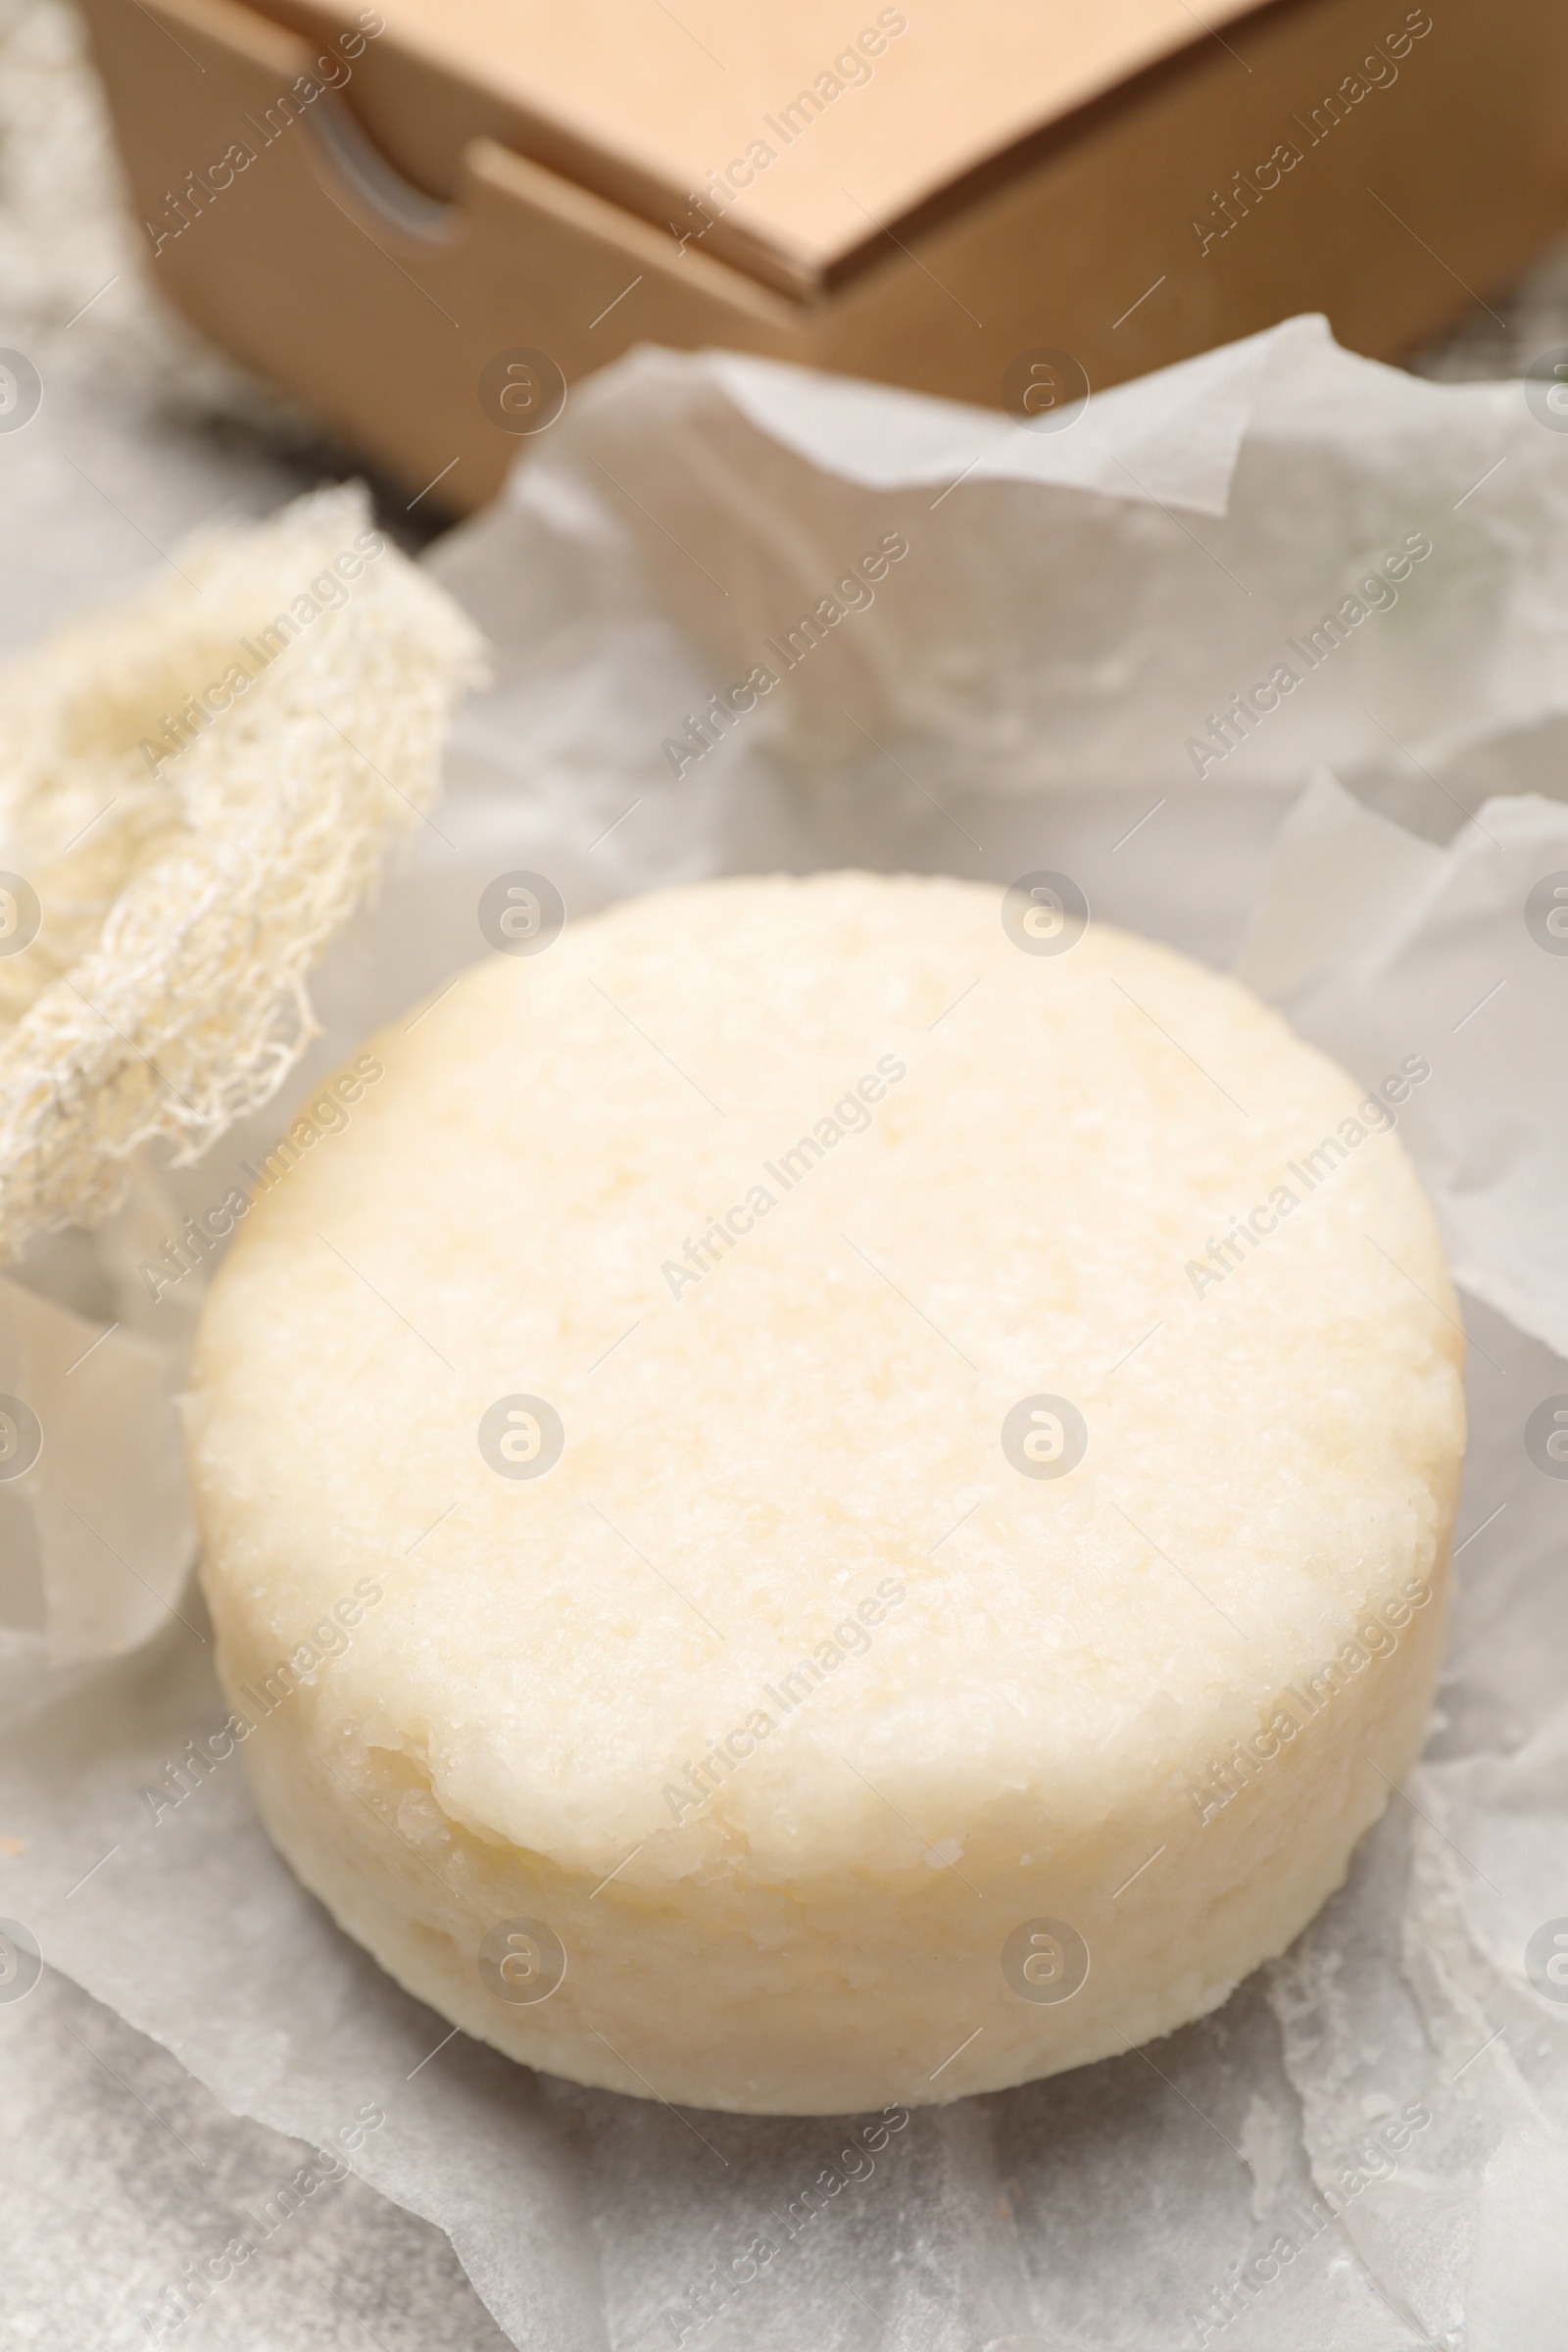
{"points": [[430, 220]]}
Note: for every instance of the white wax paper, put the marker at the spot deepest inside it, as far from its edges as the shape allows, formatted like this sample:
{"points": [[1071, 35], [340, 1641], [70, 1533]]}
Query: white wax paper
{"points": [[96, 1538], [1022, 689]]}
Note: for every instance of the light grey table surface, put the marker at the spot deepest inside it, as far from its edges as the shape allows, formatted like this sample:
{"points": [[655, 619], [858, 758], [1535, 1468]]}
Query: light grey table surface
{"points": [[145, 433]]}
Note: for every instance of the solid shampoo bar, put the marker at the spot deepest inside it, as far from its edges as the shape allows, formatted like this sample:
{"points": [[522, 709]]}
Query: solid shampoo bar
{"points": [[830, 1492]]}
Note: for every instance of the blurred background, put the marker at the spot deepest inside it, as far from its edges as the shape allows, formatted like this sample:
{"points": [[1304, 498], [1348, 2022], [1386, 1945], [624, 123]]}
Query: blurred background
{"points": [[146, 430]]}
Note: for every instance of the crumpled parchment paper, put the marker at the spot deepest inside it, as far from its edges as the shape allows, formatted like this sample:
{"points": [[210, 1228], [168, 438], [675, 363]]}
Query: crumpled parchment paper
{"points": [[1039, 679]]}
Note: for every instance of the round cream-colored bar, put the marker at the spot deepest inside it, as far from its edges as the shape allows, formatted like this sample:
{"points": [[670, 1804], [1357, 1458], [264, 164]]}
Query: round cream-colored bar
{"points": [[830, 1492]]}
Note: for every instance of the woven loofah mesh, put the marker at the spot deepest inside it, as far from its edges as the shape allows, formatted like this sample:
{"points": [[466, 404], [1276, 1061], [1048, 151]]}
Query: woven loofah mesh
{"points": [[190, 870]]}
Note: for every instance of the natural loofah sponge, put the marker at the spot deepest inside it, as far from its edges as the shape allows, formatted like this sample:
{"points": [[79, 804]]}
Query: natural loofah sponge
{"points": [[197, 788], [834, 1493]]}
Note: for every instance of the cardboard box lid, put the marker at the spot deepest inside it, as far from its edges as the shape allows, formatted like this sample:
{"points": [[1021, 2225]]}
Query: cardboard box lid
{"points": [[648, 103]]}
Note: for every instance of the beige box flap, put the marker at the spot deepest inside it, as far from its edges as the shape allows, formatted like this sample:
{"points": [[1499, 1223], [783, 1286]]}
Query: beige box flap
{"points": [[817, 124]]}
